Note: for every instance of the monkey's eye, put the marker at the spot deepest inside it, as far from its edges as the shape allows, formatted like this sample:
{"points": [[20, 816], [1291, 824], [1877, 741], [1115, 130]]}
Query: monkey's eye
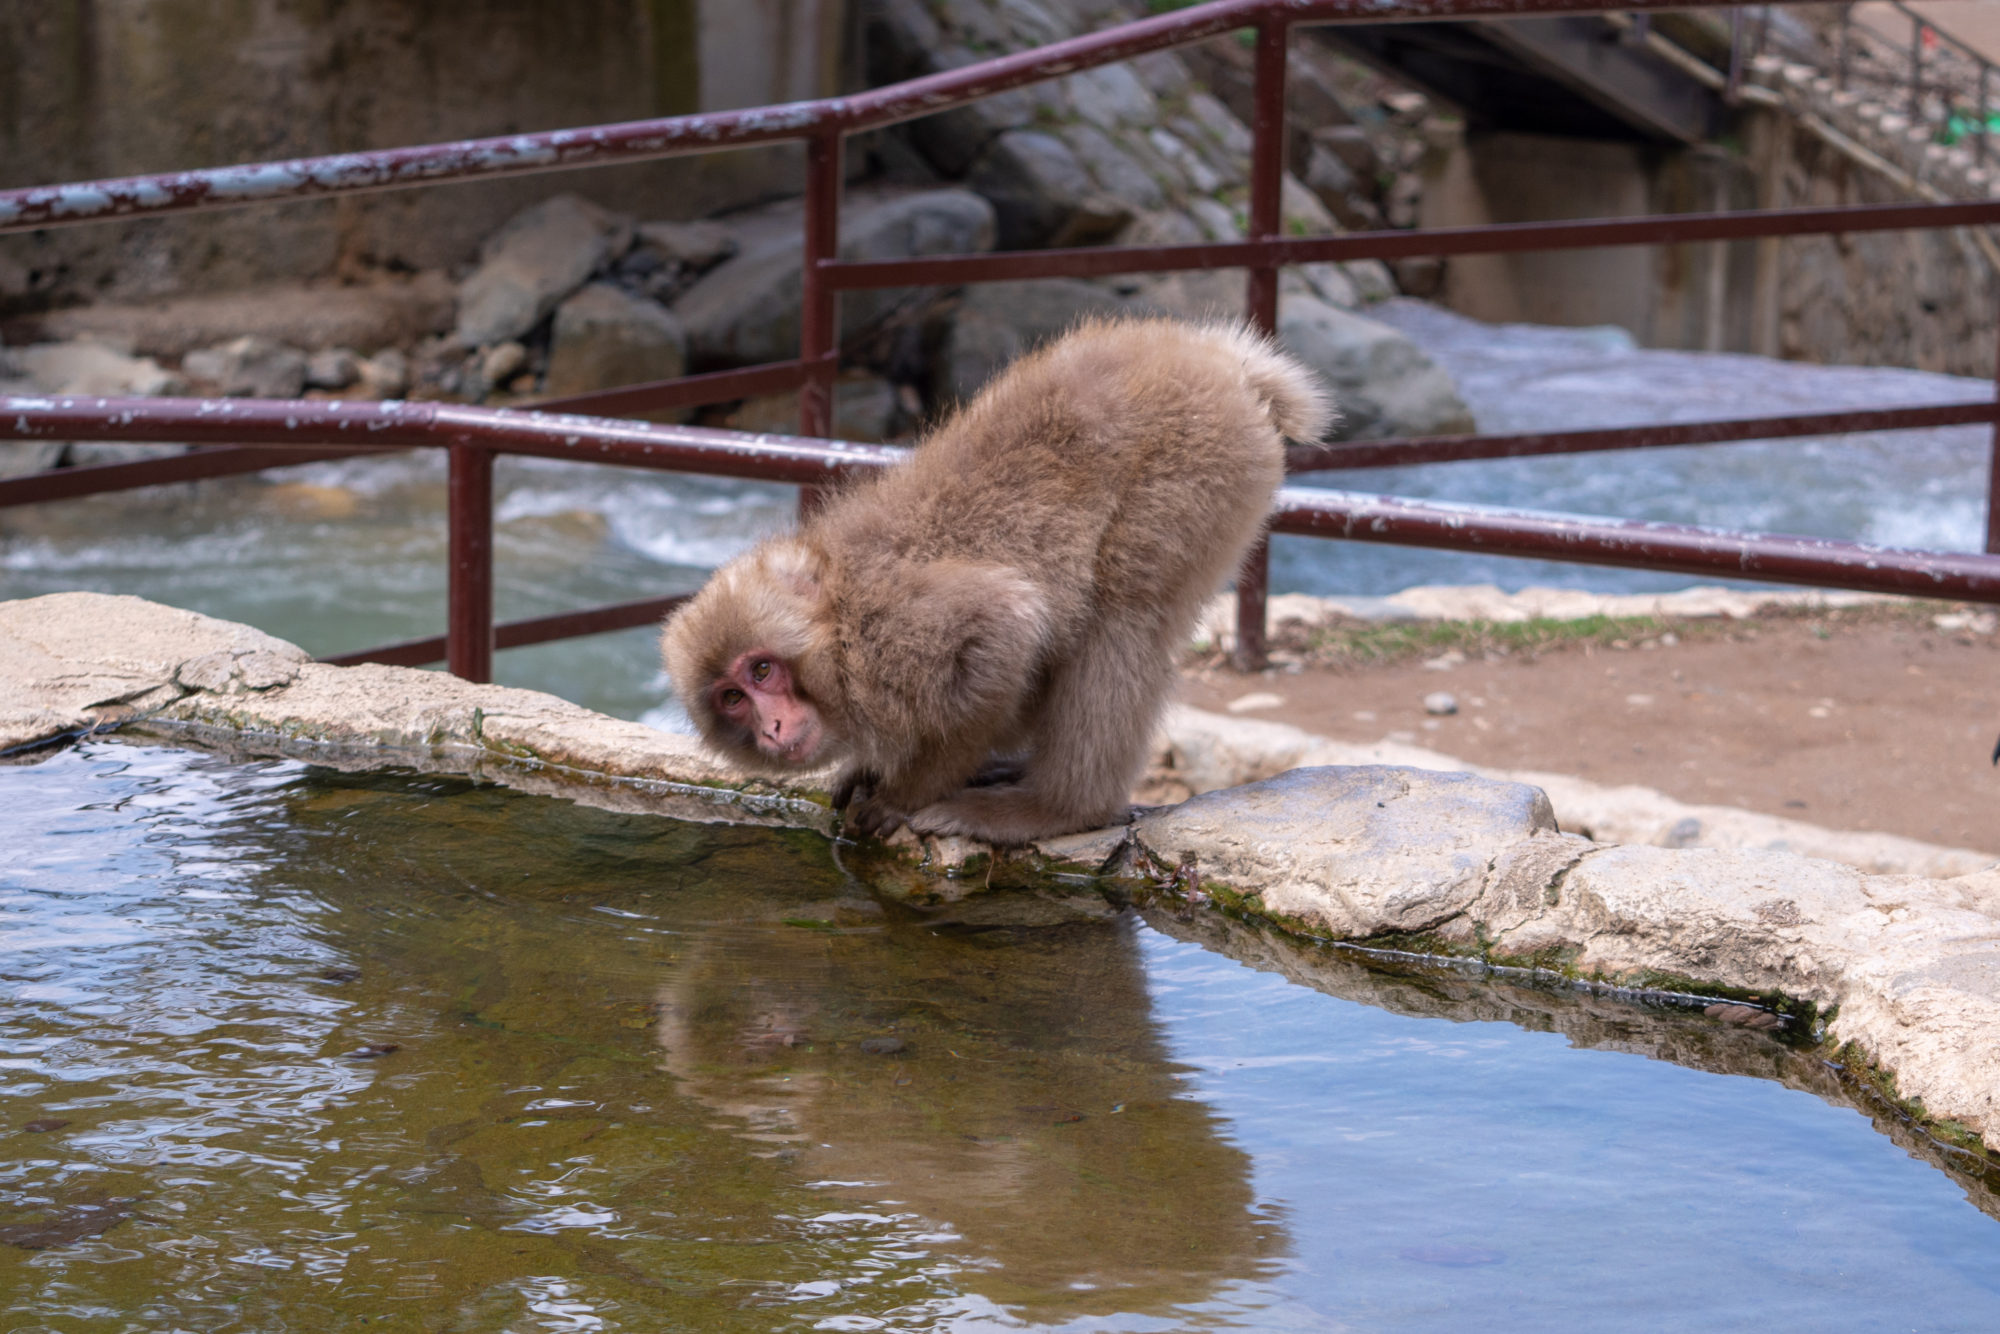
{"points": [[759, 670], [730, 698]]}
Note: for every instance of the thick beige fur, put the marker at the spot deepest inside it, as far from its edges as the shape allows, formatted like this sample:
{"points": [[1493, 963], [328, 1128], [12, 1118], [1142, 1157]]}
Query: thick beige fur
{"points": [[1020, 588]]}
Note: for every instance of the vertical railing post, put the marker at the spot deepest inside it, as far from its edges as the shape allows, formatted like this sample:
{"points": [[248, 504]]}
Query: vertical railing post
{"points": [[1916, 70], [1841, 56], [1993, 464], [1267, 180], [819, 306], [469, 598], [1732, 91], [1985, 80]]}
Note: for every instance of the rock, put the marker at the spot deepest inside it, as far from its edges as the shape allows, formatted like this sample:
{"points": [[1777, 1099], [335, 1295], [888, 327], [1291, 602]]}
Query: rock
{"points": [[1384, 385], [93, 453], [746, 310], [384, 375], [605, 337], [1041, 194], [94, 656], [250, 367], [882, 1046], [1200, 177], [1330, 179], [90, 367], [698, 245], [864, 408], [997, 322], [377, 314], [21, 457], [1441, 703], [1111, 97], [1352, 852], [503, 361], [332, 368], [1114, 169], [542, 255]]}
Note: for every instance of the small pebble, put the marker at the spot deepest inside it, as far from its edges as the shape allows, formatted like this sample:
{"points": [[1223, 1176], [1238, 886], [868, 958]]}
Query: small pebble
{"points": [[341, 974], [44, 1125], [373, 1050], [1441, 702], [1261, 699], [882, 1046]]}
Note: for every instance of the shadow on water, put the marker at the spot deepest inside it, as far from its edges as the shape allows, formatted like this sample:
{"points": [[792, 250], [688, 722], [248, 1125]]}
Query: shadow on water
{"points": [[325, 1046], [292, 1049]]}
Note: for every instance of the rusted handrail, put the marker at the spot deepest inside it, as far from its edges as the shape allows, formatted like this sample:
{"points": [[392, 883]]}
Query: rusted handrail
{"points": [[255, 435], [649, 140], [310, 428]]}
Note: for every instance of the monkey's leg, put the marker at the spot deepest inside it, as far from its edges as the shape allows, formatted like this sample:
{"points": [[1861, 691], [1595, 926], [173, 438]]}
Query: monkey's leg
{"points": [[1089, 745]]}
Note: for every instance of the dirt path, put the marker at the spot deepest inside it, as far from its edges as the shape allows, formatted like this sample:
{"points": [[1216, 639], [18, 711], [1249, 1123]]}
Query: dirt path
{"points": [[1866, 720]]}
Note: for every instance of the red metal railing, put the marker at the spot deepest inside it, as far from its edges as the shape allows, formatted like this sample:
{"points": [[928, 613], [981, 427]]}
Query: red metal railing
{"points": [[245, 436]]}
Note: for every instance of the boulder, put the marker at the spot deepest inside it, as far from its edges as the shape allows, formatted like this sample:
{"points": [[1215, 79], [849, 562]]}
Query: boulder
{"points": [[20, 457], [384, 375], [1119, 173], [1041, 194], [997, 322], [605, 337], [746, 310], [332, 368], [362, 315], [698, 245], [542, 255], [1111, 97], [90, 367], [249, 367], [1383, 383], [864, 408], [1353, 852]]}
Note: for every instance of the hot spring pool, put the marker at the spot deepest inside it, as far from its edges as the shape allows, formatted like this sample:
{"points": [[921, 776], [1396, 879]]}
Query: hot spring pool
{"points": [[288, 1049]]}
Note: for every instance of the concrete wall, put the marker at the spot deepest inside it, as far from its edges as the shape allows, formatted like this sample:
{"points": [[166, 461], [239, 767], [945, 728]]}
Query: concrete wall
{"points": [[1691, 296], [92, 88], [1921, 299]]}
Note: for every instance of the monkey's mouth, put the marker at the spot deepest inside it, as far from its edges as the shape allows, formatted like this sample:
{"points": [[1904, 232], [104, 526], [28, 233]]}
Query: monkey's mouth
{"points": [[797, 752]]}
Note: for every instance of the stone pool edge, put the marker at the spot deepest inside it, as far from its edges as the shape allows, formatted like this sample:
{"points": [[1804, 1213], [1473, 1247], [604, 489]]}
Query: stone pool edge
{"points": [[1902, 972]]}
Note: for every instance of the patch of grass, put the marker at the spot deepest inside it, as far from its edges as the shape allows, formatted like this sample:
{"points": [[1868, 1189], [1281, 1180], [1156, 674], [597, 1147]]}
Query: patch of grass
{"points": [[1354, 643], [1371, 642]]}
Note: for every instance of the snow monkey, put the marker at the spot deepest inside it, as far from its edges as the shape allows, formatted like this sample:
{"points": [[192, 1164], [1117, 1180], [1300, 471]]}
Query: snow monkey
{"points": [[983, 637]]}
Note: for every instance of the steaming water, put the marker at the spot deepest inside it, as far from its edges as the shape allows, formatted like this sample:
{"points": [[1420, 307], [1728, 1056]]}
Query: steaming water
{"points": [[340, 556], [286, 1049]]}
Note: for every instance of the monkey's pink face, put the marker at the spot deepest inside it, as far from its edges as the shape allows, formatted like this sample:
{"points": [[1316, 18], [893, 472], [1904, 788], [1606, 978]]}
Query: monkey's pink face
{"points": [[758, 694]]}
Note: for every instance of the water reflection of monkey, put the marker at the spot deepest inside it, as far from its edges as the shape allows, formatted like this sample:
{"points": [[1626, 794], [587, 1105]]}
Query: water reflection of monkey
{"points": [[1027, 1105], [1017, 592]]}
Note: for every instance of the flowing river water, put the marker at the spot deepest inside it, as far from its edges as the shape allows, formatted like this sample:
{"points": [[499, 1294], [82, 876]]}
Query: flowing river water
{"points": [[343, 555]]}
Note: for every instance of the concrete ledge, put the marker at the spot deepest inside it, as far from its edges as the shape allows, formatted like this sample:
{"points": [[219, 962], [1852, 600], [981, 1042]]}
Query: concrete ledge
{"points": [[1903, 970]]}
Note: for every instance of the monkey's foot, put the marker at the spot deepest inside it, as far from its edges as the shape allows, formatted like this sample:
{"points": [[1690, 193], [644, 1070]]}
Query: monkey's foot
{"points": [[1004, 815]]}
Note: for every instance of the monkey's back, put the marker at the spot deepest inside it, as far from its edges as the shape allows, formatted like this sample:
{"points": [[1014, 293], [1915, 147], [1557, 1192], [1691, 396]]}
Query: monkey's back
{"points": [[1123, 468]]}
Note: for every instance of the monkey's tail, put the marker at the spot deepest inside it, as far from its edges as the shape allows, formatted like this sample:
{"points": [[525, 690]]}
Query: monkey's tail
{"points": [[1298, 401]]}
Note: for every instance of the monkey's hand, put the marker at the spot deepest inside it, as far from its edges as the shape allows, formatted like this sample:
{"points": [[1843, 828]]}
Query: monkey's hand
{"points": [[1004, 815], [853, 783], [872, 815]]}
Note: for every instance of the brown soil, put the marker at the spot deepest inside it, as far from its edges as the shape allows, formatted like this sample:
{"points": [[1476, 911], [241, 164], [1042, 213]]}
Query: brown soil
{"points": [[1862, 720]]}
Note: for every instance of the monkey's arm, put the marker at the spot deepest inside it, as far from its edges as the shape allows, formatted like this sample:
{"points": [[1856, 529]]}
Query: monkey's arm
{"points": [[947, 670]]}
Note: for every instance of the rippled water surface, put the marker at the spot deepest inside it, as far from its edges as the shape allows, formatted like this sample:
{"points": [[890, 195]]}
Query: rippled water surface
{"points": [[285, 1049]]}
